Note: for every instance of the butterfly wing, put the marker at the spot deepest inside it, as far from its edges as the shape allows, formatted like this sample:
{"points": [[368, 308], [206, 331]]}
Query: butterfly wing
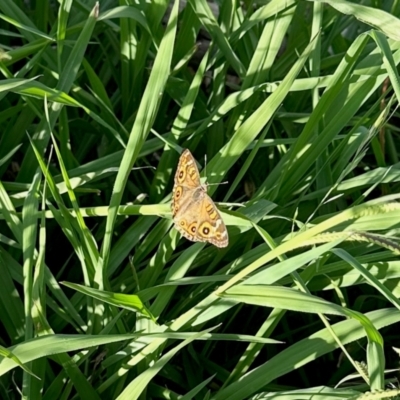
{"points": [[187, 173], [211, 227], [184, 206], [195, 215], [201, 221], [186, 181]]}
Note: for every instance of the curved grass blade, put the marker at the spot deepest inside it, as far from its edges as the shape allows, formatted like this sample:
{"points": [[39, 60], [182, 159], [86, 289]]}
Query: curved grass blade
{"points": [[136, 387], [141, 128], [129, 302]]}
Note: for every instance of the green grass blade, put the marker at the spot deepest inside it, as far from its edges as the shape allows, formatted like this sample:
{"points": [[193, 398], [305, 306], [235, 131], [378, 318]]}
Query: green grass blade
{"points": [[144, 120], [379, 19], [129, 302], [246, 133], [136, 387], [8, 354], [303, 352]]}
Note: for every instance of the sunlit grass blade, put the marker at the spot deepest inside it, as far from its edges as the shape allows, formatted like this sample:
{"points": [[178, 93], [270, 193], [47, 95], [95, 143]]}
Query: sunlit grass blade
{"points": [[12, 10], [136, 386], [53, 344], [380, 19], [29, 235], [63, 14], [10, 215], [303, 352], [388, 60], [368, 276], [178, 127], [197, 389], [66, 79], [205, 15], [143, 122], [125, 12], [66, 221], [178, 269], [22, 27], [85, 235], [247, 132], [130, 302], [70, 69], [14, 83], [8, 354], [268, 276]]}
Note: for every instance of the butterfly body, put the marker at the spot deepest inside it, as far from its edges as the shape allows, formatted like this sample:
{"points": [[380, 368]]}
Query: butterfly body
{"points": [[195, 215]]}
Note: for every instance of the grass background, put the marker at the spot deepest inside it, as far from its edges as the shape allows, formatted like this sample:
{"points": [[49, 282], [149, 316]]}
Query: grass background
{"points": [[295, 105]]}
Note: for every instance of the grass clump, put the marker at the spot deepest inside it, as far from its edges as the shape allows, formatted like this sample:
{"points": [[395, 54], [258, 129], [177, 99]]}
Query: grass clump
{"points": [[295, 105]]}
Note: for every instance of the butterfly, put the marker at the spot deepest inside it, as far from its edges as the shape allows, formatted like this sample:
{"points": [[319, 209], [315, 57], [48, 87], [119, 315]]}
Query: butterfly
{"points": [[194, 213]]}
